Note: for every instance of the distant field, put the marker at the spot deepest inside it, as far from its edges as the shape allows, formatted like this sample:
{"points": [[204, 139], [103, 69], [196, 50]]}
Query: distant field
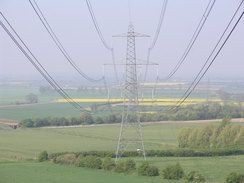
{"points": [[22, 144], [29, 142]]}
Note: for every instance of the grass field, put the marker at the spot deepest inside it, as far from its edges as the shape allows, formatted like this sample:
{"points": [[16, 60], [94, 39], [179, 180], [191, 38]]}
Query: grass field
{"points": [[9, 95], [23, 144], [214, 169], [50, 173], [17, 147]]}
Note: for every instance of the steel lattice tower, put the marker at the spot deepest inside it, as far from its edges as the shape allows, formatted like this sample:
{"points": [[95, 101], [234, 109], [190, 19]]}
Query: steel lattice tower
{"points": [[130, 130]]}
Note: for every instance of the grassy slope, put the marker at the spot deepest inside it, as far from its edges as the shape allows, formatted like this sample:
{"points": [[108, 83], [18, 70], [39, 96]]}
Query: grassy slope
{"points": [[214, 169], [28, 142], [50, 173]]}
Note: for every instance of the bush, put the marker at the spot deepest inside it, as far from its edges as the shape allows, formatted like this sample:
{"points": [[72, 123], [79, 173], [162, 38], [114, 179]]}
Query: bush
{"points": [[146, 170], [120, 167], [130, 165], [93, 162], [43, 156], [108, 164], [66, 159], [142, 169], [195, 177], [152, 171], [173, 172], [234, 177]]}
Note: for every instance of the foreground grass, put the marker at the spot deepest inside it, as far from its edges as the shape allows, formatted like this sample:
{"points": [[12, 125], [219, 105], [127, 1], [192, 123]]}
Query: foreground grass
{"points": [[214, 170], [29, 172]]}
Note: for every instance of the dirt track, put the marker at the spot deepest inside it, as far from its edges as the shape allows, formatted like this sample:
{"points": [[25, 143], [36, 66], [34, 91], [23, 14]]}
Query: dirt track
{"points": [[236, 120]]}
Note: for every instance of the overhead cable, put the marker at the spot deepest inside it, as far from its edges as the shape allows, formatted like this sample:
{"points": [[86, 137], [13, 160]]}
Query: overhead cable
{"points": [[155, 38], [193, 38], [35, 62], [206, 67], [57, 42], [99, 32]]}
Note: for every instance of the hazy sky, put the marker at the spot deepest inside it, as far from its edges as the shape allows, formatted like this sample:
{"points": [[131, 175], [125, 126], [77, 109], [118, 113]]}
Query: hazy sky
{"points": [[71, 22]]}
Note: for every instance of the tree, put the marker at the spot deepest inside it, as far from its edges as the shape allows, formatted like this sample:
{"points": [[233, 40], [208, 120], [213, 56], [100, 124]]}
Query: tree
{"points": [[27, 123], [234, 177], [173, 172], [195, 177], [43, 156], [93, 162], [142, 169], [183, 137], [86, 118], [120, 167], [31, 98], [240, 136], [130, 165], [108, 164]]}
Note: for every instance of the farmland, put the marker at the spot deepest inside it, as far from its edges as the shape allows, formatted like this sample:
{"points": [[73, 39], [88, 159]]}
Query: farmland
{"points": [[19, 148]]}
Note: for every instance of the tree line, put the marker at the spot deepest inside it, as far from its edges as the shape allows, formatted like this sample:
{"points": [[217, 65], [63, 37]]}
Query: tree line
{"points": [[225, 135], [194, 112]]}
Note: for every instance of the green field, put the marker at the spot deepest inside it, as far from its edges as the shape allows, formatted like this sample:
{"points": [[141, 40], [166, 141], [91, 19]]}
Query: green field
{"points": [[31, 141], [9, 95], [50, 173], [18, 146]]}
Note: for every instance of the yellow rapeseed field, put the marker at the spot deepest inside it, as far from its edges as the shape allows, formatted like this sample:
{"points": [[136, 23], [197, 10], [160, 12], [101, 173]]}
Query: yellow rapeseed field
{"points": [[145, 102]]}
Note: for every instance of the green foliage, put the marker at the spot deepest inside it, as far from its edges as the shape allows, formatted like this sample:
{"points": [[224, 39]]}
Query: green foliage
{"points": [[43, 156], [31, 98], [157, 153], [234, 177], [146, 170], [130, 165], [152, 171], [212, 136], [93, 162], [194, 112], [120, 167], [108, 164], [173, 172], [195, 177], [66, 159], [142, 169]]}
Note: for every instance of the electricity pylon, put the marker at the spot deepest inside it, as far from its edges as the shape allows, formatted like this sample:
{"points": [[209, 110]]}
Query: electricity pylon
{"points": [[130, 131]]}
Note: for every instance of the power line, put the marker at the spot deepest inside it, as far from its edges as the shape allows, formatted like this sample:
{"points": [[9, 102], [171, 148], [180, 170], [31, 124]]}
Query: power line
{"points": [[193, 39], [160, 22], [99, 32], [57, 42], [201, 73], [39, 68]]}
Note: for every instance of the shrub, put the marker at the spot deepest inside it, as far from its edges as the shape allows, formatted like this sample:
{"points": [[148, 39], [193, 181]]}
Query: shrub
{"points": [[43, 156], [108, 164], [80, 161], [130, 165], [66, 159], [152, 171], [195, 177], [234, 177], [173, 172], [93, 162], [120, 167], [142, 169], [146, 170]]}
